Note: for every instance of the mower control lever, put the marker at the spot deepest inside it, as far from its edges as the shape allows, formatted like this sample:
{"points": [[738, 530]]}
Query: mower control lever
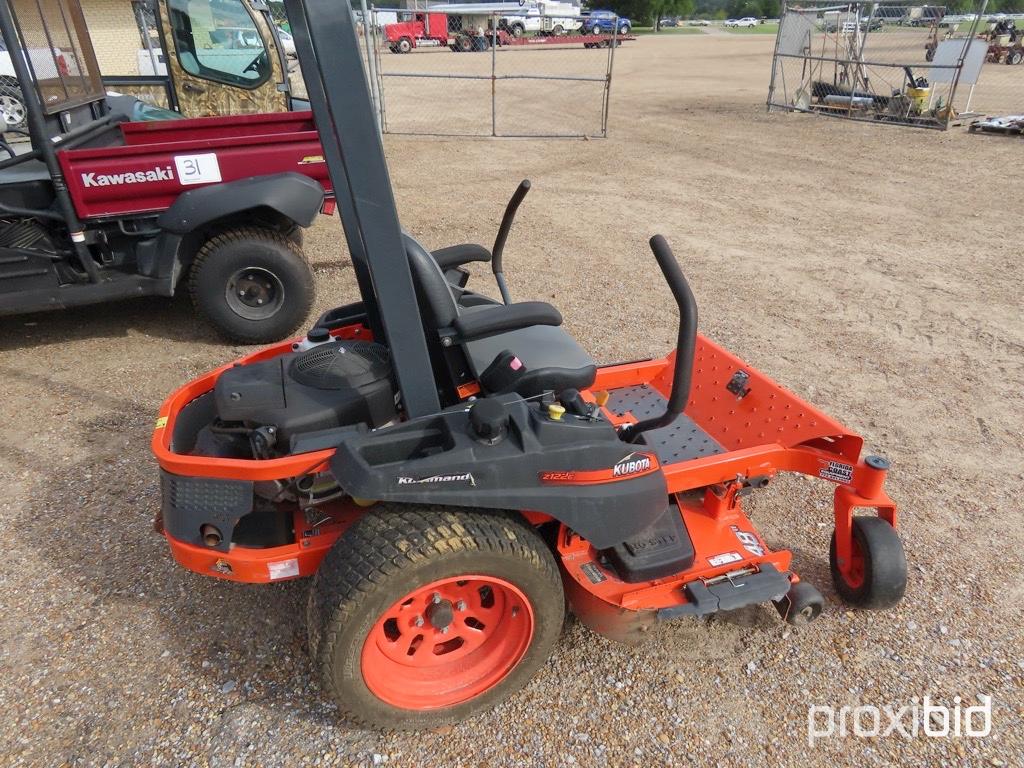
{"points": [[503, 230], [686, 344]]}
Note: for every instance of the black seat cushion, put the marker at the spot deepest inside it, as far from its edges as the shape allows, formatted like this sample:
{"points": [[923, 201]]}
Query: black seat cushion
{"points": [[552, 358]]}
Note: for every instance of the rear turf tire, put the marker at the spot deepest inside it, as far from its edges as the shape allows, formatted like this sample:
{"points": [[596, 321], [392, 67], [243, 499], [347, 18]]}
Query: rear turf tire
{"points": [[252, 251], [881, 566], [391, 560]]}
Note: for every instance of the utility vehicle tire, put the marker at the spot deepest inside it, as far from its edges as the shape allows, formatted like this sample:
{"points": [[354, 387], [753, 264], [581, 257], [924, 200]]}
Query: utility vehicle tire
{"points": [[254, 285], [375, 625], [517, 30], [13, 115], [404, 45], [465, 43], [879, 576], [801, 605], [1014, 57], [557, 30]]}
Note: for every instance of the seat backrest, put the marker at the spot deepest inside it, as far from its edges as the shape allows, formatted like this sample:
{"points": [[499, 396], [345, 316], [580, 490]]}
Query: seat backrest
{"points": [[437, 302]]}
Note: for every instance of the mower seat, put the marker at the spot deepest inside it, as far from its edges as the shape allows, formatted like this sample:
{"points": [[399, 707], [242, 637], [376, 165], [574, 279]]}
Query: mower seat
{"points": [[485, 328]]}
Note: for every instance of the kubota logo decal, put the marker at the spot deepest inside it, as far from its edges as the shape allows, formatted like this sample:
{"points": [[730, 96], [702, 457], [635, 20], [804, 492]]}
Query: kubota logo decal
{"points": [[636, 464], [632, 465], [129, 177]]}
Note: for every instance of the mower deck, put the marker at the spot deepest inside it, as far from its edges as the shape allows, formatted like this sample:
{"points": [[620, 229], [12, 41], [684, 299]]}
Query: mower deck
{"points": [[725, 444]]}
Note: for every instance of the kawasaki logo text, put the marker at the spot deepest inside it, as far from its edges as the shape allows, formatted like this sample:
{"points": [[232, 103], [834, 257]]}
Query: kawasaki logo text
{"points": [[130, 177]]}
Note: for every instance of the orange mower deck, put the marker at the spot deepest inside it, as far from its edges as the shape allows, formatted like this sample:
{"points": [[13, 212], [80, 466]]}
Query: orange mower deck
{"points": [[764, 431]]}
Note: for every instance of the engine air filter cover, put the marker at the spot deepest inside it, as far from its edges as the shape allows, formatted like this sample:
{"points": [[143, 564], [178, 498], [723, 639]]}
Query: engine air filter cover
{"points": [[341, 364], [331, 385]]}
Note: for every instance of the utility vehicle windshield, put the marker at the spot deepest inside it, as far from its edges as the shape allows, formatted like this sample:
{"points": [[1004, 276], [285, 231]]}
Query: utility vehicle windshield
{"points": [[219, 41]]}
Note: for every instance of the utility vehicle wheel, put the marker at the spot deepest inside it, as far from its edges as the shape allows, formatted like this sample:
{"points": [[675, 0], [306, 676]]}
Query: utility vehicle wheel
{"points": [[253, 284], [801, 605], [877, 576], [421, 616], [465, 43], [1014, 57], [517, 30], [404, 45], [557, 30], [12, 108]]}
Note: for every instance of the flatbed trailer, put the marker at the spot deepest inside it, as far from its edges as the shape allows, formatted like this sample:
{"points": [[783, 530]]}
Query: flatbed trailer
{"points": [[464, 43]]}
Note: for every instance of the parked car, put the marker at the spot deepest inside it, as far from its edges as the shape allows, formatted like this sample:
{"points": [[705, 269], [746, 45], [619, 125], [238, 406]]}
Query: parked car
{"points": [[12, 103], [603, 22], [746, 21], [699, 23], [671, 21], [287, 42]]}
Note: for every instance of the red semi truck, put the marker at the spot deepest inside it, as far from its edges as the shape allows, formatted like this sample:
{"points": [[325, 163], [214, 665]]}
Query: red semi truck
{"points": [[423, 29]]}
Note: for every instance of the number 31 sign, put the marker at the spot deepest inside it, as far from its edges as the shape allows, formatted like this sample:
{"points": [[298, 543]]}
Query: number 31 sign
{"points": [[197, 169]]}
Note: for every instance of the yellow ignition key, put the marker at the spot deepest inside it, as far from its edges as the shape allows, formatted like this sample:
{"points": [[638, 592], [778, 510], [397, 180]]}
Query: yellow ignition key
{"points": [[555, 412]]}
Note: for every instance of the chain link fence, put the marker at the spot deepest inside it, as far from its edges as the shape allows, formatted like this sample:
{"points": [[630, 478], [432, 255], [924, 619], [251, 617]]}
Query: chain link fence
{"points": [[898, 64], [459, 72]]}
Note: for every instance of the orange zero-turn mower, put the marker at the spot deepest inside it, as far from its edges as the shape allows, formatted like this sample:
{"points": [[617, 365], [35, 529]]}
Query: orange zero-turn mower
{"points": [[451, 470]]}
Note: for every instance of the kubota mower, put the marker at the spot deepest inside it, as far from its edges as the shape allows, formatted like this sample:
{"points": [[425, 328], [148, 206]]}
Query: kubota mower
{"points": [[449, 468]]}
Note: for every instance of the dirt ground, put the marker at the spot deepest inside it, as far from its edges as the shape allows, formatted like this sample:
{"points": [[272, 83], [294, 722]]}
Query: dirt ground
{"points": [[870, 269]]}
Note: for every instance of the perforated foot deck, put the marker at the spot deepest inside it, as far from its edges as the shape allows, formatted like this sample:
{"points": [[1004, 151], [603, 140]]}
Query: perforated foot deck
{"points": [[682, 440]]}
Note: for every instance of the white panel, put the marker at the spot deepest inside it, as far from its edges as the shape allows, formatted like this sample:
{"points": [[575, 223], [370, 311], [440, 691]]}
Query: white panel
{"points": [[948, 53], [795, 31]]}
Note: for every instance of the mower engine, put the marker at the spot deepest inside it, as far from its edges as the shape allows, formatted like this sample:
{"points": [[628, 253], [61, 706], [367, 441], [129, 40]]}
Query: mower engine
{"points": [[261, 406]]}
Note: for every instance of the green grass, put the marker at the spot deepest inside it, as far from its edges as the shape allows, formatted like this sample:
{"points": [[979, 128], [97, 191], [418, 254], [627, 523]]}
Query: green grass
{"points": [[668, 31], [760, 29]]}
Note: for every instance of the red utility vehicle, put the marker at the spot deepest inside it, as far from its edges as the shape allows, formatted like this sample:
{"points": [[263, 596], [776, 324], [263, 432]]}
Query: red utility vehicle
{"points": [[103, 208]]}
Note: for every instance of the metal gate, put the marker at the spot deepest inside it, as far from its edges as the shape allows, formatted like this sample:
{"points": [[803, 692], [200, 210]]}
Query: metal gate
{"points": [[450, 74]]}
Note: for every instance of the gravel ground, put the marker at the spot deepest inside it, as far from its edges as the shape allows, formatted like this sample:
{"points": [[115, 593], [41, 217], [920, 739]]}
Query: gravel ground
{"points": [[867, 268]]}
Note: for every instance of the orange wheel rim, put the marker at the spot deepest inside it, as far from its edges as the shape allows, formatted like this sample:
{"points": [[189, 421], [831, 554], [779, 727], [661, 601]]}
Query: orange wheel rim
{"points": [[447, 642]]}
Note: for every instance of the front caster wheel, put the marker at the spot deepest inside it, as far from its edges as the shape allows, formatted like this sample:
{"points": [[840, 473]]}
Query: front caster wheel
{"points": [[420, 617], [876, 576], [801, 605], [253, 284]]}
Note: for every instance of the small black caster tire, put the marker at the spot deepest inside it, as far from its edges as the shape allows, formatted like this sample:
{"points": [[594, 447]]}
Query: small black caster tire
{"points": [[880, 574], [801, 605]]}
